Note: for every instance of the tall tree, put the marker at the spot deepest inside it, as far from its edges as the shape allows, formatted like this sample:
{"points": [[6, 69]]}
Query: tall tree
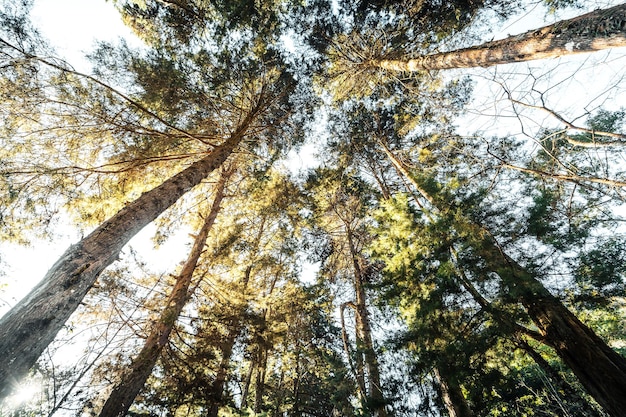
{"points": [[124, 393], [339, 209], [599, 368], [594, 31]]}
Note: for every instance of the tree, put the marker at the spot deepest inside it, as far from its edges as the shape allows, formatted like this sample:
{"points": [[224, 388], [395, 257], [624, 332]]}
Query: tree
{"points": [[600, 369], [32, 324], [339, 205], [124, 393], [594, 31]]}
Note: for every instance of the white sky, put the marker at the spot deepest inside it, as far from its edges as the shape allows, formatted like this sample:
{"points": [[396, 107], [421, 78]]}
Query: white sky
{"points": [[73, 26]]}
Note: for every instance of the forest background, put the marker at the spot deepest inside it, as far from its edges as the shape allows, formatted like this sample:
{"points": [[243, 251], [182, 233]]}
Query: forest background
{"points": [[472, 236]]}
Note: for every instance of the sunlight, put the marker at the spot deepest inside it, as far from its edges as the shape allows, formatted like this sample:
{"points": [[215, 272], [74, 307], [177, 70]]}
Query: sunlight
{"points": [[26, 392]]}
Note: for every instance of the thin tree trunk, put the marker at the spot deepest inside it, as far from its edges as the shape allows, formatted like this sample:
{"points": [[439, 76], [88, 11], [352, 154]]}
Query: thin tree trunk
{"points": [[569, 392], [600, 370], [29, 327], [356, 370], [259, 388], [452, 396], [217, 388], [125, 392], [600, 29], [364, 332]]}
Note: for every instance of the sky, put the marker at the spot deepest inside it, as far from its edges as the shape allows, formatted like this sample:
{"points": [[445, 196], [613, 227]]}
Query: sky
{"points": [[74, 26]]}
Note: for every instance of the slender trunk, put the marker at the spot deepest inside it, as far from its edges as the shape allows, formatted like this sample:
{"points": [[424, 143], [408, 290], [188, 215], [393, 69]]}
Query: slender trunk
{"points": [[246, 386], [600, 29], [125, 392], [570, 393], [259, 386], [600, 370], [356, 370], [216, 392], [364, 332], [29, 327], [452, 396]]}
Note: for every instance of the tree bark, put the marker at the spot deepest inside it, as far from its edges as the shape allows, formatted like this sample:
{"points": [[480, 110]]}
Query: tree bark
{"points": [[29, 327], [600, 370], [452, 396], [364, 333], [125, 392], [598, 30]]}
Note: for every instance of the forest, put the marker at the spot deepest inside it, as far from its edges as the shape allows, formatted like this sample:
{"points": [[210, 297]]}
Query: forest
{"points": [[382, 208]]}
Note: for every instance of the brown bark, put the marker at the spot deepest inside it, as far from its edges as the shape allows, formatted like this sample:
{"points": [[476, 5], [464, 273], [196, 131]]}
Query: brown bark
{"points": [[562, 386], [364, 335], [452, 396], [125, 392], [29, 327], [598, 30], [600, 370]]}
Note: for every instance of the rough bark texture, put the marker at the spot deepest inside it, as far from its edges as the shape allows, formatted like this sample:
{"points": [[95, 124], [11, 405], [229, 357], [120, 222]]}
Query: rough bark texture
{"points": [[600, 29], [600, 370], [125, 392], [452, 396], [29, 327]]}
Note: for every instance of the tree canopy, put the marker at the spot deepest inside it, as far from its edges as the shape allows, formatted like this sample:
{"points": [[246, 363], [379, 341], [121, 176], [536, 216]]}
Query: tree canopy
{"points": [[452, 247]]}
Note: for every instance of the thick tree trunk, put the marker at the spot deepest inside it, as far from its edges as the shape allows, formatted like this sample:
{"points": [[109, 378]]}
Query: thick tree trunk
{"points": [[600, 29], [452, 396], [577, 404], [29, 327], [600, 370], [125, 392]]}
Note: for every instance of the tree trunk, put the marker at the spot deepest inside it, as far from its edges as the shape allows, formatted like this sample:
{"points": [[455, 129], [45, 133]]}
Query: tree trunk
{"points": [[125, 392], [216, 391], [29, 327], [600, 29], [452, 396], [364, 333], [600, 370], [578, 404]]}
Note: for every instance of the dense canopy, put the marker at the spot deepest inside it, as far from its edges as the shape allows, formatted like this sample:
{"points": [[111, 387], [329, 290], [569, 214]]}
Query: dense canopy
{"points": [[349, 215]]}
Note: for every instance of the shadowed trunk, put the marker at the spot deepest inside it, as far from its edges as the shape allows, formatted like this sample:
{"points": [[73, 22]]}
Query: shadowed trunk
{"points": [[452, 396], [29, 327], [598, 30], [123, 395], [364, 335], [600, 370]]}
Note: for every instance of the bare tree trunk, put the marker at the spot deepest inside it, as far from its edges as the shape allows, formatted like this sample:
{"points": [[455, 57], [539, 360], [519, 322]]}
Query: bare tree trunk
{"points": [[600, 370], [125, 392], [364, 333], [217, 388], [29, 327], [600, 29], [259, 386], [452, 397]]}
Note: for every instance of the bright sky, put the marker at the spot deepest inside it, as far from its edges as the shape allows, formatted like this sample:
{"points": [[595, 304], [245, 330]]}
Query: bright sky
{"points": [[74, 26]]}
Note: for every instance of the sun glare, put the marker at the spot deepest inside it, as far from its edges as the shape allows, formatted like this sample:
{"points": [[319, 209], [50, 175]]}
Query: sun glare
{"points": [[25, 393]]}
